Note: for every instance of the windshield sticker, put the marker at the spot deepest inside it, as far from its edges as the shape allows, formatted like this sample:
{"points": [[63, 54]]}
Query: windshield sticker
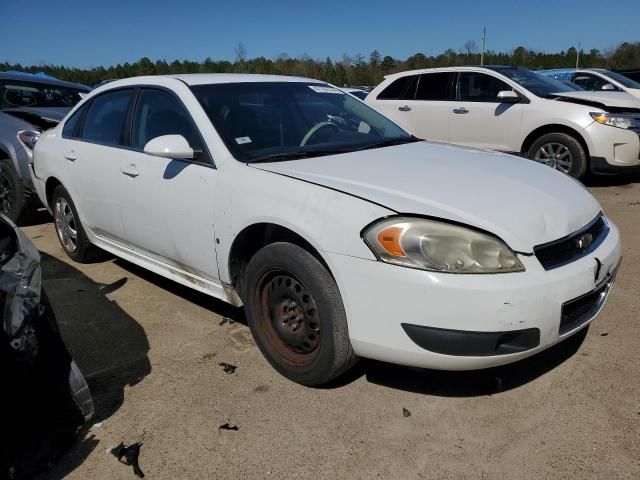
{"points": [[318, 89], [243, 140]]}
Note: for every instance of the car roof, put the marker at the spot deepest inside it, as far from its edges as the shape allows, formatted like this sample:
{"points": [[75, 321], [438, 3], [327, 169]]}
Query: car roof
{"points": [[495, 68], [44, 80], [192, 79]]}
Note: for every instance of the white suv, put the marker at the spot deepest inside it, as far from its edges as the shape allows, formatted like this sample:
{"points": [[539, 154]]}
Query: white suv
{"points": [[340, 233], [518, 111]]}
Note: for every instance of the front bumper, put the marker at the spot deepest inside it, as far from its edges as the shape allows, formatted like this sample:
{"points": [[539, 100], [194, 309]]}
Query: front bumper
{"points": [[612, 149], [379, 298]]}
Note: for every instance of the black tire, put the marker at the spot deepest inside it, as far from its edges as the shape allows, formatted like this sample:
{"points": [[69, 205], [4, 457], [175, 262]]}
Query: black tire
{"points": [[12, 194], [578, 155], [308, 312], [84, 251]]}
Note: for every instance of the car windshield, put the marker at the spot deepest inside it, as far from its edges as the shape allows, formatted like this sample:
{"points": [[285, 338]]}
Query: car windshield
{"points": [[271, 121], [534, 82], [16, 93], [621, 79]]}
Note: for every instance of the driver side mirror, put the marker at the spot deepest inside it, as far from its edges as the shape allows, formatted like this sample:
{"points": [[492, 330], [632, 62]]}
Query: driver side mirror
{"points": [[607, 87], [169, 146], [508, 96]]}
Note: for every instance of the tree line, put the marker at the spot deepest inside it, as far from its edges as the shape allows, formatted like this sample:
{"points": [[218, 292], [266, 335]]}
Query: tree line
{"points": [[348, 70]]}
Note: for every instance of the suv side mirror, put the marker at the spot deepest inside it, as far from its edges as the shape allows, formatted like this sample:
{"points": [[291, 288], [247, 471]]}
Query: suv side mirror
{"points": [[169, 146], [508, 96], [607, 87]]}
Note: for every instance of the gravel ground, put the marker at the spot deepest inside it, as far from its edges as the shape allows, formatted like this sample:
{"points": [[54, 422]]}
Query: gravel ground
{"points": [[150, 350]]}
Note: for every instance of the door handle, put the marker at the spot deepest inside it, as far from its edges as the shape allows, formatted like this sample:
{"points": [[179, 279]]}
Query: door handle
{"points": [[71, 156], [460, 110], [405, 108], [130, 171]]}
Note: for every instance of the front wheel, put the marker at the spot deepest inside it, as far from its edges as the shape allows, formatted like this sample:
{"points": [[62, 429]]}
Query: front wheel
{"points": [[560, 151], [296, 315], [12, 196]]}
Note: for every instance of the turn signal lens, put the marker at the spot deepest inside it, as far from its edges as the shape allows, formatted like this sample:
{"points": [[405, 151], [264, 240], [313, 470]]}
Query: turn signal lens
{"points": [[389, 239]]}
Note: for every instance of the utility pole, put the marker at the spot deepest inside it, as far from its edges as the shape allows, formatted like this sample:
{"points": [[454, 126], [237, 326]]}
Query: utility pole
{"points": [[484, 42], [578, 56]]}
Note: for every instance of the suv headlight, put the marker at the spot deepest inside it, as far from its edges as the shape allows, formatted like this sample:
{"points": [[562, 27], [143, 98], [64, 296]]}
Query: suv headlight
{"points": [[28, 138], [439, 247], [619, 120]]}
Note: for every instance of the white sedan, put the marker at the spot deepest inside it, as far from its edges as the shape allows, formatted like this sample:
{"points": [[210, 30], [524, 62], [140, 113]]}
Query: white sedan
{"points": [[341, 234]]}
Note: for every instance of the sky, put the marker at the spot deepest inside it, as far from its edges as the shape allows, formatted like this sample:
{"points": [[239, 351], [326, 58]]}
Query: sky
{"points": [[106, 32]]}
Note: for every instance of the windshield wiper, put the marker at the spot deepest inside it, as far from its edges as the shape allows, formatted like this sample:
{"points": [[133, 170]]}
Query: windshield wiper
{"points": [[281, 157], [389, 142]]}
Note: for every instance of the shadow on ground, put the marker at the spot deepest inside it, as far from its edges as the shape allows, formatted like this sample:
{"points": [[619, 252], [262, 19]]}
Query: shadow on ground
{"points": [[592, 180], [108, 345]]}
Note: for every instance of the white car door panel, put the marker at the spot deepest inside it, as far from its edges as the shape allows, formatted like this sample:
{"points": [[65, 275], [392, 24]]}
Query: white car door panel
{"points": [[94, 166], [478, 119], [167, 205]]}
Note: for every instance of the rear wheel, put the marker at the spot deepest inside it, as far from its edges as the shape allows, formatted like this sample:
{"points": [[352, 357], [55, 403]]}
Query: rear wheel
{"points": [[560, 151], [12, 198], [296, 315], [71, 234]]}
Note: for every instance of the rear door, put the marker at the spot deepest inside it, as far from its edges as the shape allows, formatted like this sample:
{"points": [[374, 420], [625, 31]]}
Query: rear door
{"points": [[168, 204], [479, 119], [92, 151]]}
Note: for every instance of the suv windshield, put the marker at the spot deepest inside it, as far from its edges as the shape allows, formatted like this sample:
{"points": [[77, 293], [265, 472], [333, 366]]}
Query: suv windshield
{"points": [[534, 82], [621, 79], [271, 121], [16, 93]]}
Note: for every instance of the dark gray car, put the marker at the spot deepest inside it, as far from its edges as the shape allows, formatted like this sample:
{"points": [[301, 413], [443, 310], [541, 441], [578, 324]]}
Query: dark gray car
{"points": [[29, 104]]}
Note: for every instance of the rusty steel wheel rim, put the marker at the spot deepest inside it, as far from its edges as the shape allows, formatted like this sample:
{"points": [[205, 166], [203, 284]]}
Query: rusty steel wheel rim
{"points": [[288, 317]]}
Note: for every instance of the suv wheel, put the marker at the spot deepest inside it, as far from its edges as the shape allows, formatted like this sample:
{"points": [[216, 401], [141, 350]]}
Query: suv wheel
{"points": [[560, 151], [12, 199], [296, 315], [71, 234]]}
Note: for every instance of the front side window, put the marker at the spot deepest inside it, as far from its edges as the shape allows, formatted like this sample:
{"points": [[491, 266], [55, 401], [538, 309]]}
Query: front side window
{"points": [[160, 113], [590, 82], [435, 86], [16, 93], [480, 87], [270, 121], [404, 88], [106, 118], [536, 83]]}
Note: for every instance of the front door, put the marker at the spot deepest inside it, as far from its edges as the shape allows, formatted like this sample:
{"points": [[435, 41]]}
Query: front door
{"points": [[479, 119], [168, 205]]}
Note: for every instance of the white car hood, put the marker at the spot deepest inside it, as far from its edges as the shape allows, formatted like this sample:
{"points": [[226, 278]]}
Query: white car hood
{"points": [[521, 201], [609, 99]]}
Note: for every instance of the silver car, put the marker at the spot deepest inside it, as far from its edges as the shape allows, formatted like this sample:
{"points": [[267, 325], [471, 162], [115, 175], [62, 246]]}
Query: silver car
{"points": [[29, 104]]}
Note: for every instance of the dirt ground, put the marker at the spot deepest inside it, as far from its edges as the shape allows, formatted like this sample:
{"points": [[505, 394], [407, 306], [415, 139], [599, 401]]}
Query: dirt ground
{"points": [[150, 350]]}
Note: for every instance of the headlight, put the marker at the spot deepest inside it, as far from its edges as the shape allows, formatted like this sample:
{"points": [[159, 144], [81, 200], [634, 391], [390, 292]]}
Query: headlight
{"points": [[620, 120], [440, 247], [28, 138]]}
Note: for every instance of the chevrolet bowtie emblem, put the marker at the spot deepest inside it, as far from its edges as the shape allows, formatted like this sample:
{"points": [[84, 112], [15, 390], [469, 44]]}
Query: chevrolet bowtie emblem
{"points": [[584, 241]]}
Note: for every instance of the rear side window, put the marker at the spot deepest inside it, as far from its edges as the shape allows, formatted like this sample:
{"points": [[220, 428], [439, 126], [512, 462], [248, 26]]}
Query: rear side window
{"points": [[71, 127], [480, 87], [436, 86], [404, 88], [106, 118]]}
